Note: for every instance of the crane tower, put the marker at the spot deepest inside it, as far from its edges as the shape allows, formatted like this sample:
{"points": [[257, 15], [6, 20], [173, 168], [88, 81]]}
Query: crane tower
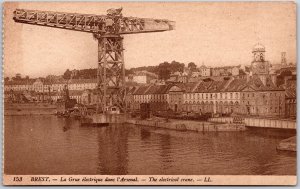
{"points": [[108, 30]]}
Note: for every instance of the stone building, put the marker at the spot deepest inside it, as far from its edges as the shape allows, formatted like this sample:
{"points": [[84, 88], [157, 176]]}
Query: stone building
{"points": [[290, 98], [130, 98], [175, 99], [139, 96], [143, 77], [205, 71], [157, 97], [262, 99]]}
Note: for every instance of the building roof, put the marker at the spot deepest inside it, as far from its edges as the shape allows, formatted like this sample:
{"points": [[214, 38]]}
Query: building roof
{"points": [[236, 85], [21, 82], [226, 67], [211, 86], [80, 81], [187, 87], [258, 48], [141, 90], [256, 83]]}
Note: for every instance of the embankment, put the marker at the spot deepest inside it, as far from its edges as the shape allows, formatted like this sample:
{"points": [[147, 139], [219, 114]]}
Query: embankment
{"points": [[184, 125], [29, 109]]}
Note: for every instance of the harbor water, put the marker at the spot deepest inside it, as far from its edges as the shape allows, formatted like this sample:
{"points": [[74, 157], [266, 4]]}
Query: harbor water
{"points": [[46, 144]]}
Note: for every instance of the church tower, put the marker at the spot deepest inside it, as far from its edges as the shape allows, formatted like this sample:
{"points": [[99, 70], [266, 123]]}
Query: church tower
{"points": [[259, 65]]}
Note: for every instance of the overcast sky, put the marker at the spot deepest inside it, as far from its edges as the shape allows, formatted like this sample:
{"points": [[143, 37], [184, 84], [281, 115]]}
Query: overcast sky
{"points": [[211, 33]]}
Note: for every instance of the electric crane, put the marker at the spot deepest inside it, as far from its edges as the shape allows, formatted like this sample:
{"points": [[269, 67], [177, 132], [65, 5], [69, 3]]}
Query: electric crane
{"points": [[107, 30]]}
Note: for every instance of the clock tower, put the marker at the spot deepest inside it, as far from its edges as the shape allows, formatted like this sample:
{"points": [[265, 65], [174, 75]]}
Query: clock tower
{"points": [[259, 65]]}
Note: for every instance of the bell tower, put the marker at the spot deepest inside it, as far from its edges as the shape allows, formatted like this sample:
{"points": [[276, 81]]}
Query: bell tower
{"points": [[259, 64]]}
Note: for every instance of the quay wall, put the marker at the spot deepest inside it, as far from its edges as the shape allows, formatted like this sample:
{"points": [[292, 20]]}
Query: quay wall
{"points": [[257, 122], [188, 125], [270, 123], [29, 109]]}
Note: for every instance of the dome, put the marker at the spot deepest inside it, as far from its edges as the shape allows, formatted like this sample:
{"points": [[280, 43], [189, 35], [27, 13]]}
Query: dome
{"points": [[259, 48]]}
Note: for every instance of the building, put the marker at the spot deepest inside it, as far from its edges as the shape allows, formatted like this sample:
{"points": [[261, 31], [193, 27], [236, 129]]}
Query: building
{"points": [[139, 96], [157, 97], [143, 77], [225, 71], [260, 98], [130, 97], [259, 65], [205, 97], [179, 77], [290, 87], [205, 71]]}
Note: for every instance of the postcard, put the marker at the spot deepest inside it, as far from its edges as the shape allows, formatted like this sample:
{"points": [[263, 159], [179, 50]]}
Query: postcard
{"points": [[149, 93]]}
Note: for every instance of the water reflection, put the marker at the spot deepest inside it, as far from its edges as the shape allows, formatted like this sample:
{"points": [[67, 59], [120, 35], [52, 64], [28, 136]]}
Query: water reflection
{"points": [[112, 150], [51, 145]]}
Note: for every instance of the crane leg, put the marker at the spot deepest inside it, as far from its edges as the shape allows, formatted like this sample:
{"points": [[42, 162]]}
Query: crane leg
{"points": [[111, 73]]}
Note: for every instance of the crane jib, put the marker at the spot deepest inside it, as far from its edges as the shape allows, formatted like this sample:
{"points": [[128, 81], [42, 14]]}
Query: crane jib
{"points": [[92, 23]]}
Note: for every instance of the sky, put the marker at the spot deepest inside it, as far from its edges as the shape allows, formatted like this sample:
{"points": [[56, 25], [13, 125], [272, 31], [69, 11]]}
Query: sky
{"points": [[214, 34]]}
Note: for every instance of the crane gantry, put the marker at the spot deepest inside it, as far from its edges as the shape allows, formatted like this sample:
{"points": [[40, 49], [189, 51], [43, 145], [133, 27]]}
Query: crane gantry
{"points": [[107, 30]]}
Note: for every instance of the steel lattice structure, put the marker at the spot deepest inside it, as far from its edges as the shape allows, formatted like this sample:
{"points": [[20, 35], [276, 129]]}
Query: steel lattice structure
{"points": [[107, 29]]}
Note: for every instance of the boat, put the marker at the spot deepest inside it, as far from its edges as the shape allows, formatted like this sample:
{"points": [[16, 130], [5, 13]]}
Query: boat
{"points": [[111, 115]]}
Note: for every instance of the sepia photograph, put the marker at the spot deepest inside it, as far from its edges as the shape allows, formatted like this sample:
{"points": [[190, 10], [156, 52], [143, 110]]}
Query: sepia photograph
{"points": [[149, 93]]}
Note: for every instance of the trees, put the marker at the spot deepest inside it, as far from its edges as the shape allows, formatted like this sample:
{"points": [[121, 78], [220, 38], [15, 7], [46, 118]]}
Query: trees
{"points": [[67, 74], [176, 66], [164, 71], [192, 66]]}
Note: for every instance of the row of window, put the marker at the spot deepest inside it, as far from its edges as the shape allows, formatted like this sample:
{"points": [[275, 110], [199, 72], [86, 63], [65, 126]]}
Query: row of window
{"points": [[149, 97], [217, 103], [211, 95]]}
